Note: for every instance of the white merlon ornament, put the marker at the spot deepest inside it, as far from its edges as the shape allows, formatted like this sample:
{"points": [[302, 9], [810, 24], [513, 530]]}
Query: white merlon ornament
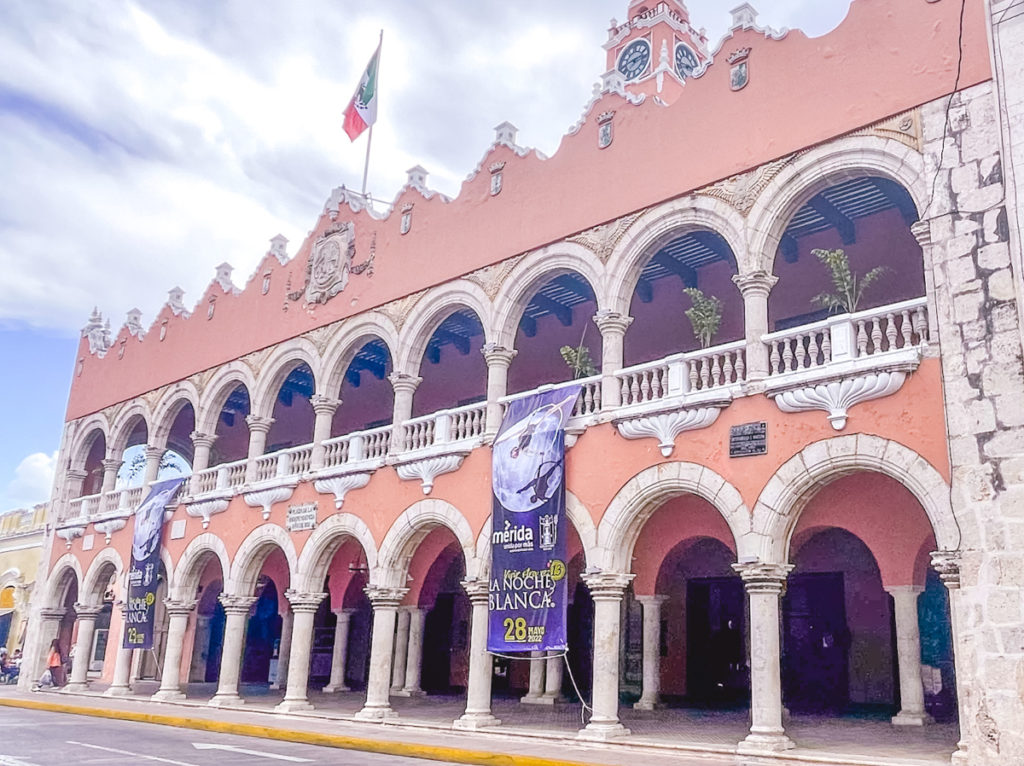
{"points": [[612, 81], [175, 302], [744, 17], [341, 195], [223, 278], [417, 178], [97, 332], [278, 248], [134, 323], [505, 135]]}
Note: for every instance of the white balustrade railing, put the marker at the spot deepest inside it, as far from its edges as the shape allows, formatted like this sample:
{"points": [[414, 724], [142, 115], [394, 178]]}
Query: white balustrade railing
{"points": [[82, 507], [205, 480], [683, 373], [848, 336], [358, 446], [418, 433], [588, 403], [445, 426], [131, 498], [375, 444], [336, 451]]}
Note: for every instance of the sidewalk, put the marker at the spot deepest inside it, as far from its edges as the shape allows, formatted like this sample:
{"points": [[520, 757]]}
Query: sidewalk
{"points": [[528, 736]]}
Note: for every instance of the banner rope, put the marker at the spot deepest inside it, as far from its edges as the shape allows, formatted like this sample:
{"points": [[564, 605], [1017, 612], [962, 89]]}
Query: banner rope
{"points": [[565, 656]]}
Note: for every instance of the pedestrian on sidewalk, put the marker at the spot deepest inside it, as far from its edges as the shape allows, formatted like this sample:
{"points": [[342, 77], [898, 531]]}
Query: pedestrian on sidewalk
{"points": [[54, 673]]}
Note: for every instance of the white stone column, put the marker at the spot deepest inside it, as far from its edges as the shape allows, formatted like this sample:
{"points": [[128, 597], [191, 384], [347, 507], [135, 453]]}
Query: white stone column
{"points": [[259, 427], [324, 408], [236, 610], [755, 288], [304, 607], [607, 589], [284, 651], [201, 446], [385, 608], [922, 231], [613, 328], [404, 386], [153, 457], [765, 584], [908, 650], [37, 645], [339, 655], [414, 657], [535, 691], [177, 626], [498, 360], [554, 669], [947, 564], [401, 652], [87, 615], [481, 664], [110, 468], [120, 685], [649, 698]]}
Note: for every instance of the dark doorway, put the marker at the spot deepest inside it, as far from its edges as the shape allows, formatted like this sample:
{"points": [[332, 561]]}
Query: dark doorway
{"points": [[716, 668], [580, 629], [815, 644], [437, 645], [217, 622], [262, 633]]}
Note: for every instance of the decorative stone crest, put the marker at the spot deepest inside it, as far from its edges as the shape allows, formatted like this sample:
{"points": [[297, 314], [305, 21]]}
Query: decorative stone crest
{"points": [[741, 191], [398, 311], [496, 173], [97, 332], [491, 278], [603, 239], [605, 134], [406, 222], [739, 74], [329, 264], [905, 128]]}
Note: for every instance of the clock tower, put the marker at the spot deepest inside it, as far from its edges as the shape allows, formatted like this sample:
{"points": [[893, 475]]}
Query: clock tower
{"points": [[656, 50]]}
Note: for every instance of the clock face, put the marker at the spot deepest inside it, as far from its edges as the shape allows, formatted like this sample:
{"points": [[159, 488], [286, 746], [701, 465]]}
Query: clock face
{"points": [[634, 59], [686, 61]]}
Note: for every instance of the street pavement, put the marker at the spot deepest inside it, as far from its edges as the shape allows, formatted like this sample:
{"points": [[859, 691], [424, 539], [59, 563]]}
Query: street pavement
{"points": [[36, 738]]}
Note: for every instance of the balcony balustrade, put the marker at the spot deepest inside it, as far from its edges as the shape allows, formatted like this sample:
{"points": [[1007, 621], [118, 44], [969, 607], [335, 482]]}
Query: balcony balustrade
{"points": [[659, 398]]}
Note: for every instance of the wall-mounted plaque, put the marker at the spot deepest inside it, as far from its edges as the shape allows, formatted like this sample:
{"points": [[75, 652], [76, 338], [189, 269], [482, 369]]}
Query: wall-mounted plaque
{"points": [[301, 517], [748, 439]]}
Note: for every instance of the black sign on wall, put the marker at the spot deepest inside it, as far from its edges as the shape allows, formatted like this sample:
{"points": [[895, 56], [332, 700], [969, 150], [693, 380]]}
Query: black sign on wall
{"points": [[748, 439]]}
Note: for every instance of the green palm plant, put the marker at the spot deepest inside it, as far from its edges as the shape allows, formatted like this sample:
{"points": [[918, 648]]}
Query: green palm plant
{"points": [[579, 361], [848, 288], [705, 315]]}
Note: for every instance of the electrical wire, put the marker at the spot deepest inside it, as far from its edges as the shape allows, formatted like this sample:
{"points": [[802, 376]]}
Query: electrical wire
{"points": [[949, 105], [572, 679]]}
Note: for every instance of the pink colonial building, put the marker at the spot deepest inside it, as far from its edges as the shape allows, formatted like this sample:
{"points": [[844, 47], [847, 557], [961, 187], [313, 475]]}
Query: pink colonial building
{"points": [[805, 512]]}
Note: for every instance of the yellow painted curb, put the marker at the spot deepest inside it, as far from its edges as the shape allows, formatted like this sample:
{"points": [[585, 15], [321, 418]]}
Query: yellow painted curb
{"points": [[408, 749]]}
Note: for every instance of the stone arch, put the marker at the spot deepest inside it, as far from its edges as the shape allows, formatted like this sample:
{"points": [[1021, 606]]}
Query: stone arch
{"points": [[408, 531], [643, 494], [824, 166], [676, 218], [315, 559], [86, 433], [532, 272], [124, 425], [55, 592], [187, 573], [428, 314], [250, 556], [167, 409], [347, 341], [217, 391], [578, 516], [91, 591], [12, 576], [784, 496], [278, 366]]}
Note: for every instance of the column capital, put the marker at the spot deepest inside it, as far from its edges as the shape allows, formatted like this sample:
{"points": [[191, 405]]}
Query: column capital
{"points": [[57, 613], [236, 604], [947, 564], [202, 440], [88, 611], [922, 231], [324, 405], [477, 590], [498, 356], [304, 601], [77, 474], [611, 322], [176, 607], [899, 590], [755, 283], [607, 586], [760, 577], [384, 598], [401, 382], [346, 611], [657, 599], [258, 423], [111, 464], [155, 453]]}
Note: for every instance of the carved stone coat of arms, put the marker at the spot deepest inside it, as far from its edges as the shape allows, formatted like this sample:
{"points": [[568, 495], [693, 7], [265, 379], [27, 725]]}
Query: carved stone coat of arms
{"points": [[329, 264]]}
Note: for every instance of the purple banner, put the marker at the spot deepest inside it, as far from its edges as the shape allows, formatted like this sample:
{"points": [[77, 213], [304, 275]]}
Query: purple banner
{"points": [[142, 577], [528, 593]]}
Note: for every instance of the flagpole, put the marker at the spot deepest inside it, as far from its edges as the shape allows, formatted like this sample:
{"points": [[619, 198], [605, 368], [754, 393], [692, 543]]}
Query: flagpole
{"points": [[369, 137]]}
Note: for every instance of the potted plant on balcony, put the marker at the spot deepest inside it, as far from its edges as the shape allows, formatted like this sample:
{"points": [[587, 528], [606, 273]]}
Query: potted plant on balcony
{"points": [[848, 288], [705, 315], [579, 361]]}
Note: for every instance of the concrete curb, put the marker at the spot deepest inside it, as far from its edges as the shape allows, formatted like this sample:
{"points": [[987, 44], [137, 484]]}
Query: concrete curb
{"points": [[339, 741]]}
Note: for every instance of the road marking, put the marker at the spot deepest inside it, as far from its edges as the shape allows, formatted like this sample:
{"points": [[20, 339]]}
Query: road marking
{"points": [[10, 760], [243, 751], [133, 755]]}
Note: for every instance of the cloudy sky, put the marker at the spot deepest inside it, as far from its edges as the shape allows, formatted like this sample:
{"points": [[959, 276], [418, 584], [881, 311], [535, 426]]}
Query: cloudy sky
{"points": [[143, 142]]}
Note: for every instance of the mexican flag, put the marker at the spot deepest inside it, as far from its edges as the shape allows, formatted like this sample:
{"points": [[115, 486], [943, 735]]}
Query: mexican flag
{"points": [[361, 112]]}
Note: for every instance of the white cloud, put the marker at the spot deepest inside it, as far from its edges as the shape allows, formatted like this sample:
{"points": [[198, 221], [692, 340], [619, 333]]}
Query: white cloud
{"points": [[33, 481]]}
